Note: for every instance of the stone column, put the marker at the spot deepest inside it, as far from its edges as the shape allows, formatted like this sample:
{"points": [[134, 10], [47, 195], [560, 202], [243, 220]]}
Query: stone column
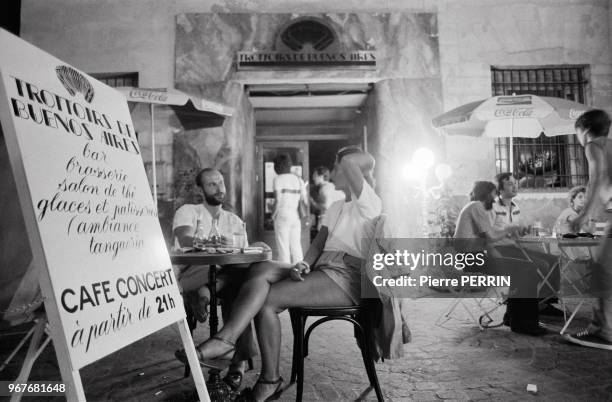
{"points": [[399, 122]]}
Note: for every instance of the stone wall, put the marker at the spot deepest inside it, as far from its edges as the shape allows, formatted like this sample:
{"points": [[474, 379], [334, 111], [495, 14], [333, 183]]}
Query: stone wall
{"points": [[476, 35]]}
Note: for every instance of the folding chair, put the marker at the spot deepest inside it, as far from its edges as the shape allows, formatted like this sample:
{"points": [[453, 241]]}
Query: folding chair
{"points": [[485, 305], [576, 253], [493, 296], [481, 309], [545, 243]]}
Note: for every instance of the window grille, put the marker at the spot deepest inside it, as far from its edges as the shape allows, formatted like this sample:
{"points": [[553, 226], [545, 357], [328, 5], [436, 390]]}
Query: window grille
{"points": [[543, 162]]}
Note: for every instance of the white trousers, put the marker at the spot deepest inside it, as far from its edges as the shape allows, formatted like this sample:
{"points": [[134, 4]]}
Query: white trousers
{"points": [[287, 233]]}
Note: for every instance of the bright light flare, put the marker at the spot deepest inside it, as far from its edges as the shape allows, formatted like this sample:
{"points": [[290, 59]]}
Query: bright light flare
{"points": [[412, 172], [423, 158], [443, 172]]}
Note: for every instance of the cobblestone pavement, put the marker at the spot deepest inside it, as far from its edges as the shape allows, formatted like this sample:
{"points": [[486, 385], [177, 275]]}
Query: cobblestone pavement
{"points": [[453, 362]]}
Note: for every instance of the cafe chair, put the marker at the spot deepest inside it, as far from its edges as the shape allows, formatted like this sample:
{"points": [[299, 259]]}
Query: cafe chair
{"points": [[481, 308], [575, 256], [361, 319]]}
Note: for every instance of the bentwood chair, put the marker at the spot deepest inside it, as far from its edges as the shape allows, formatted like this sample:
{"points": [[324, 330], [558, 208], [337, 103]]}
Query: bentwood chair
{"points": [[360, 316], [362, 322]]}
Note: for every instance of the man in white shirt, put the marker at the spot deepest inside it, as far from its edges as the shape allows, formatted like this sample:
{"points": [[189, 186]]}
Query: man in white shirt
{"points": [[507, 212], [194, 279]]}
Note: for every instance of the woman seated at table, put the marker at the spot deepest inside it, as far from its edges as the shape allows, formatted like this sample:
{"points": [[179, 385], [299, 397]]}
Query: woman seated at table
{"points": [[577, 200], [335, 256]]}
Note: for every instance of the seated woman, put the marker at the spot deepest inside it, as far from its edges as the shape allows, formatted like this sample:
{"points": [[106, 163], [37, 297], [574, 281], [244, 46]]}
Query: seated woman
{"points": [[335, 255], [577, 199]]}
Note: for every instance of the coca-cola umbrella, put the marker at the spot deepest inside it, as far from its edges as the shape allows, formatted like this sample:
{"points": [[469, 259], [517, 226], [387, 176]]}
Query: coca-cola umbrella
{"points": [[512, 116], [193, 112]]}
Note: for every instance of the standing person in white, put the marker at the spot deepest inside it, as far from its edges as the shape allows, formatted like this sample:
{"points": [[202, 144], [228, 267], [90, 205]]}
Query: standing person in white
{"points": [[288, 190]]}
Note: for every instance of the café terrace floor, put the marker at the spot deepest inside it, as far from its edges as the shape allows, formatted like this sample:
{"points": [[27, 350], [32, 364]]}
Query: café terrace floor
{"points": [[456, 362]]}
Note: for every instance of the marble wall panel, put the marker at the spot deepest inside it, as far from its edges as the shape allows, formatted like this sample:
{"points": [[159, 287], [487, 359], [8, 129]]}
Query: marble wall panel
{"points": [[219, 147], [206, 44]]}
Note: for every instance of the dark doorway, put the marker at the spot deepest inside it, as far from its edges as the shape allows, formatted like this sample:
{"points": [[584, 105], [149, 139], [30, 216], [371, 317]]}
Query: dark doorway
{"points": [[322, 153]]}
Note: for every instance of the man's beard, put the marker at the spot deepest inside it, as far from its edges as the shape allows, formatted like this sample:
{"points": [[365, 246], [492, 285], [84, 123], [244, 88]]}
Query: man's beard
{"points": [[215, 199]]}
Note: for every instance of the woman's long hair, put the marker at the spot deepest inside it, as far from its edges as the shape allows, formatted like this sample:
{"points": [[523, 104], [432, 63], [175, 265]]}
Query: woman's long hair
{"points": [[481, 191]]}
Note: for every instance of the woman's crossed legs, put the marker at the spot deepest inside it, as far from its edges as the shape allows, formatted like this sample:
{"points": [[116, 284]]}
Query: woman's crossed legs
{"points": [[266, 293]]}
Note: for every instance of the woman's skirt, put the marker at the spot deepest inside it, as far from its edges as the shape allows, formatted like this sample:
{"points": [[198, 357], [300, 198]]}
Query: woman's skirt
{"points": [[344, 270]]}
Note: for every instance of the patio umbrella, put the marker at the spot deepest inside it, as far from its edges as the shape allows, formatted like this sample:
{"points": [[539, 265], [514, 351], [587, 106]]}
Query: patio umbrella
{"points": [[512, 116], [193, 112]]}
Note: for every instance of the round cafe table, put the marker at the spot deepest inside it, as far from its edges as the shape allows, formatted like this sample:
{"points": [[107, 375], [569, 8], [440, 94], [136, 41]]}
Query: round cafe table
{"points": [[217, 261], [217, 389]]}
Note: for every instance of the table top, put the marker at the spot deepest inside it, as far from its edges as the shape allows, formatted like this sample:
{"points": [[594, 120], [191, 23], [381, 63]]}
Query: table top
{"points": [[578, 241], [536, 239], [204, 258]]}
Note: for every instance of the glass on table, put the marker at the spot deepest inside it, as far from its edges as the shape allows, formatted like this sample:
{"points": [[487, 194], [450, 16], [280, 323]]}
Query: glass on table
{"points": [[239, 240]]}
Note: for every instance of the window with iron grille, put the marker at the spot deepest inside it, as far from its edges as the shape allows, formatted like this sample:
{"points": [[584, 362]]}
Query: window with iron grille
{"points": [[543, 162], [117, 79]]}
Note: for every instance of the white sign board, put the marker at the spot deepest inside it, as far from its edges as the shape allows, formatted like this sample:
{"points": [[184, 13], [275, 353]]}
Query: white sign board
{"points": [[73, 140]]}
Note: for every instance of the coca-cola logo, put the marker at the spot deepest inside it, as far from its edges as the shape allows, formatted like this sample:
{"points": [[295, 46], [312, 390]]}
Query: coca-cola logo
{"points": [[513, 112], [575, 113], [148, 95]]}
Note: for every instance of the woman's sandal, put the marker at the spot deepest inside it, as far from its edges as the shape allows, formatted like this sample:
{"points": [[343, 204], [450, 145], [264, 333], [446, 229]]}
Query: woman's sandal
{"points": [[248, 396], [220, 362]]}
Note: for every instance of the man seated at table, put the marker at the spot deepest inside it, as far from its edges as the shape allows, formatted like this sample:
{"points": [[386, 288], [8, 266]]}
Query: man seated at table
{"points": [[475, 229], [507, 212], [194, 279], [577, 200]]}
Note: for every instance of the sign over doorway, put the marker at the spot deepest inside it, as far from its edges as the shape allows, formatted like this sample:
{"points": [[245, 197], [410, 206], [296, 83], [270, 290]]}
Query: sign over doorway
{"points": [[307, 42]]}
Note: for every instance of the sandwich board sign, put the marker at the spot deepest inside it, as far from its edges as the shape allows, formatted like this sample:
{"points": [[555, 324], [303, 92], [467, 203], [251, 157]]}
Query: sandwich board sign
{"points": [[92, 224]]}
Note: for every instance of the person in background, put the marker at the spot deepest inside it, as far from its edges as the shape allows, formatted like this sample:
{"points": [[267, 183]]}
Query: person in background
{"points": [[592, 129], [577, 199], [475, 229], [326, 193], [507, 212], [194, 279], [288, 190]]}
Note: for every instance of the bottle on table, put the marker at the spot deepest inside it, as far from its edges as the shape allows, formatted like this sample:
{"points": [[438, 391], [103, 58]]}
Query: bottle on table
{"points": [[214, 237], [239, 237], [199, 238]]}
